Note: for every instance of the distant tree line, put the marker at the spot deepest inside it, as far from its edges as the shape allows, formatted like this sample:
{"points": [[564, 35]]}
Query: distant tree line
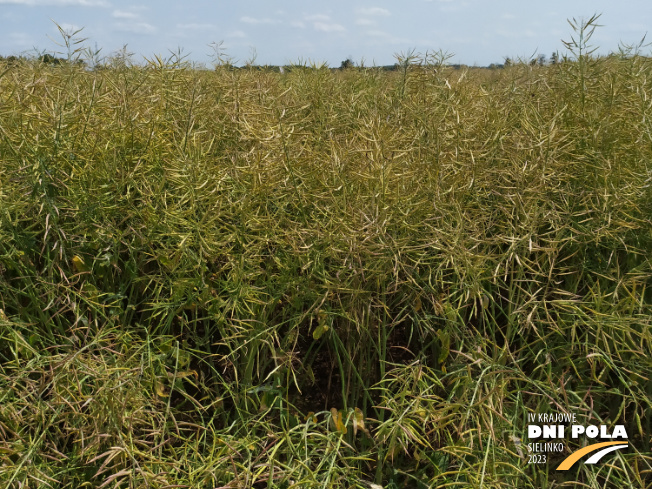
{"points": [[540, 60], [123, 59], [46, 58]]}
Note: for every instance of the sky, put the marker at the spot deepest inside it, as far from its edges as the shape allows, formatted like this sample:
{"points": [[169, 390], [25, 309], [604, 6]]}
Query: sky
{"points": [[475, 32]]}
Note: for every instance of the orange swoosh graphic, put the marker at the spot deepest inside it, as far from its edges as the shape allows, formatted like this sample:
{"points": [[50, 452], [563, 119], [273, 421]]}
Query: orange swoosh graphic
{"points": [[575, 456]]}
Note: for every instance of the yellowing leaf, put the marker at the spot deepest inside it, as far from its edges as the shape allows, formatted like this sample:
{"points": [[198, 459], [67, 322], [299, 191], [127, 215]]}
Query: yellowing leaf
{"points": [[311, 374], [321, 317], [439, 308], [311, 416], [321, 321], [340, 424], [445, 341], [78, 264], [319, 330], [183, 375], [451, 313], [266, 401], [160, 389], [92, 291], [337, 421], [358, 422]]}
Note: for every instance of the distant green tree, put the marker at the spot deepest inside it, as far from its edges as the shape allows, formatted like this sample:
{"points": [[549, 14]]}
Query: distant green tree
{"points": [[50, 59], [346, 64]]}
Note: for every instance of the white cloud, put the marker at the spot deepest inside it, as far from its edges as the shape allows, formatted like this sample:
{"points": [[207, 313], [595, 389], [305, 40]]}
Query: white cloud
{"points": [[635, 27], [236, 34], [448, 6], [21, 39], [324, 27], [298, 24], [136, 27], [366, 22], [378, 37], [122, 14], [10, 16], [512, 34], [382, 12], [196, 27], [252, 20], [376, 33], [317, 18], [57, 3]]}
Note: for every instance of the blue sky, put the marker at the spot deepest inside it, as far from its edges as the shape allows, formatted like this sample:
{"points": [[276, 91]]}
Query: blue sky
{"points": [[281, 32]]}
